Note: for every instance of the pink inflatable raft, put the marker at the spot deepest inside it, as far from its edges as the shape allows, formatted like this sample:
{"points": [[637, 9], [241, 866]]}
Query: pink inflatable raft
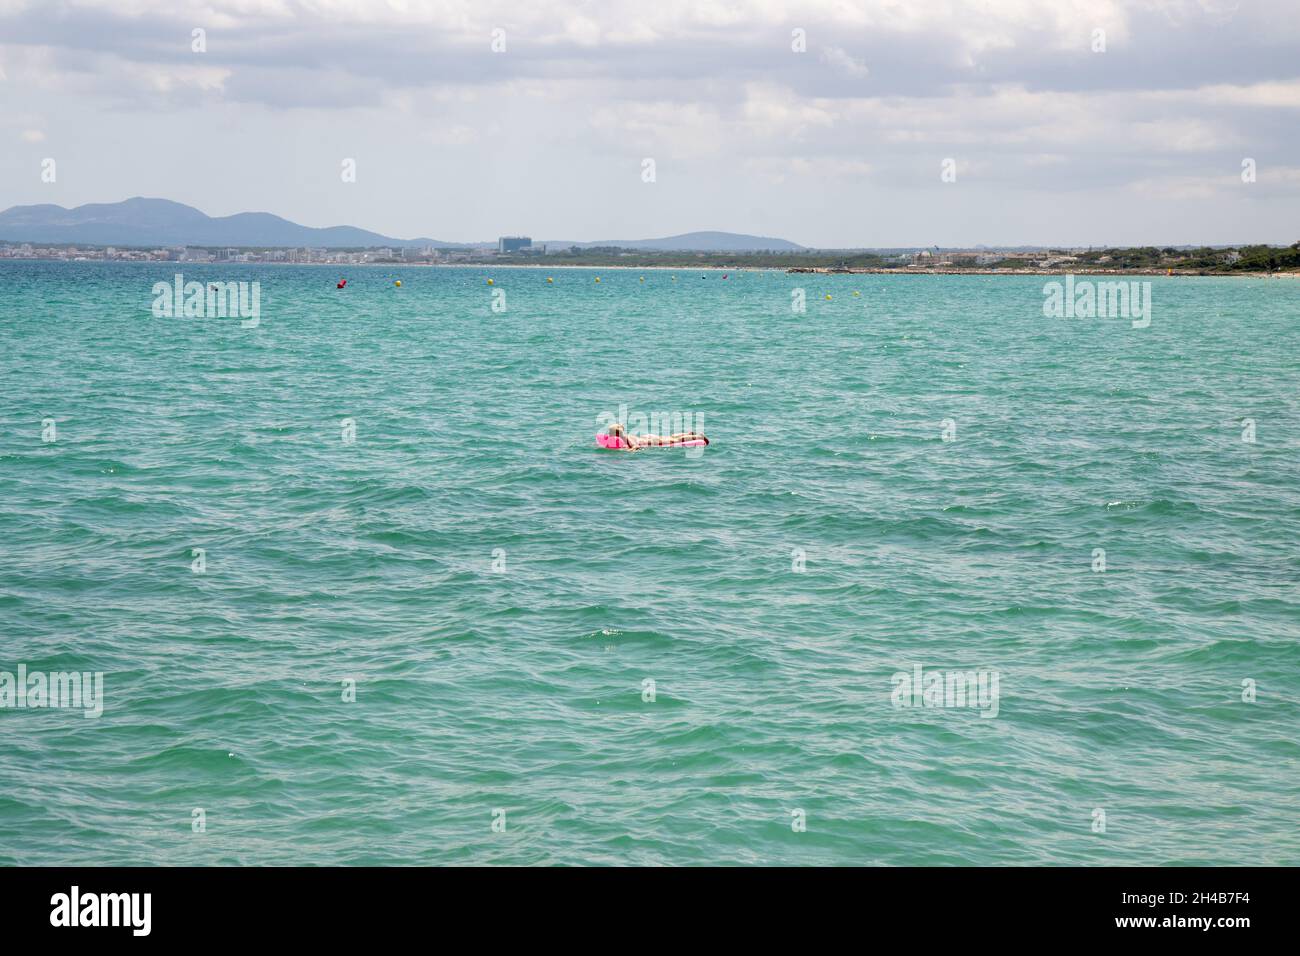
{"points": [[612, 441]]}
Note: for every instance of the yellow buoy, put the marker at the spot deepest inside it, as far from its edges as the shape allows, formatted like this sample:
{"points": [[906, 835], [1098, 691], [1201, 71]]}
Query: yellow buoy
{"points": [[597, 278], [828, 296], [856, 294], [549, 279], [489, 281], [398, 283], [643, 278]]}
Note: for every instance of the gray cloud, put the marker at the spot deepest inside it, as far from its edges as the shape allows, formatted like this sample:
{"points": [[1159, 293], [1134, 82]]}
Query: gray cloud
{"points": [[749, 134]]}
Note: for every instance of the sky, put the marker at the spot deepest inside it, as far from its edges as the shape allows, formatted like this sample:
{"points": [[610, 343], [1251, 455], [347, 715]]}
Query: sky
{"points": [[830, 123]]}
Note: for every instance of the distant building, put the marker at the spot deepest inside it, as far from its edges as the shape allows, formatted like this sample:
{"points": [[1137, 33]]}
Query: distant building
{"points": [[514, 243]]}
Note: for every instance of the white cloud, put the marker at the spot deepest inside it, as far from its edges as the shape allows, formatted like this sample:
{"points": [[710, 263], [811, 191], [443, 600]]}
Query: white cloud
{"points": [[1275, 95], [844, 64], [452, 135], [778, 170]]}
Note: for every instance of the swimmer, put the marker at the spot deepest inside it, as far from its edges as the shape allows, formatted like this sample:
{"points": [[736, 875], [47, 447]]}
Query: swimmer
{"points": [[637, 442]]}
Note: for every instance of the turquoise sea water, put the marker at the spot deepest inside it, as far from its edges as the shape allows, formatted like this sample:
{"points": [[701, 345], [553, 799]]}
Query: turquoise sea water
{"points": [[522, 689]]}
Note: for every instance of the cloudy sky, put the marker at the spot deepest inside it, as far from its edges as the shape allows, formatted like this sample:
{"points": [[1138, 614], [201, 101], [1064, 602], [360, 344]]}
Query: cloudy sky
{"points": [[841, 144]]}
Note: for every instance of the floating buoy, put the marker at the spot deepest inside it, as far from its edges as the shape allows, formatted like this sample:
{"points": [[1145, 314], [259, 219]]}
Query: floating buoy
{"points": [[643, 278], [674, 278], [489, 281], [342, 283], [549, 279], [856, 294], [597, 278], [828, 296], [398, 283]]}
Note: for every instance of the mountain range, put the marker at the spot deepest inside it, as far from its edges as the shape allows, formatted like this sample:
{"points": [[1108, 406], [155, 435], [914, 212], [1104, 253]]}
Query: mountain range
{"points": [[161, 222]]}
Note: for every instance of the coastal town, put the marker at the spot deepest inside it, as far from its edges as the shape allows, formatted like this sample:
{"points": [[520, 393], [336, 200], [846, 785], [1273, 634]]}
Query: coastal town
{"points": [[511, 250], [304, 256]]}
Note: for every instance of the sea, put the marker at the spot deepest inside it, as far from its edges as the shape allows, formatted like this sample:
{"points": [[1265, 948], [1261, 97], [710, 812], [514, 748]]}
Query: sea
{"points": [[347, 582]]}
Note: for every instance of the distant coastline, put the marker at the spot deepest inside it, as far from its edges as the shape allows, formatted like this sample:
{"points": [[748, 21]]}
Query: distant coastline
{"points": [[1294, 272], [159, 230]]}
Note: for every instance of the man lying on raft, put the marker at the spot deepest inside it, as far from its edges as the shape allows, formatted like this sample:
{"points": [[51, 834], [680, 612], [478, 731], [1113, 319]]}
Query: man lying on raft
{"points": [[637, 442]]}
